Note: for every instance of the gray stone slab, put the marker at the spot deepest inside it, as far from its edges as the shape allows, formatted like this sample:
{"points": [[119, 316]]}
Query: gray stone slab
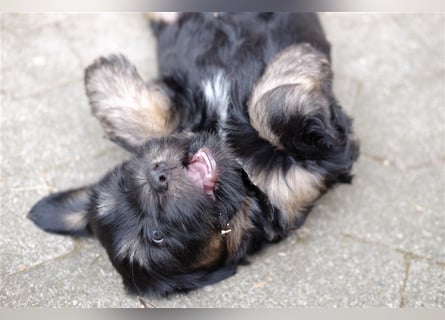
{"points": [[36, 61], [397, 73], [401, 47], [307, 270], [85, 171], [83, 279], [403, 210], [22, 23], [93, 35], [22, 245], [19, 193], [407, 144], [425, 285], [39, 133]]}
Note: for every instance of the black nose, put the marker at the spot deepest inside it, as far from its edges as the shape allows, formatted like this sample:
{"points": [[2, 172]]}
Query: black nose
{"points": [[159, 176]]}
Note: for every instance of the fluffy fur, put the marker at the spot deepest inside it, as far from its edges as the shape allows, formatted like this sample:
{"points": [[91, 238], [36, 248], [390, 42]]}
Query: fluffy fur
{"points": [[232, 145]]}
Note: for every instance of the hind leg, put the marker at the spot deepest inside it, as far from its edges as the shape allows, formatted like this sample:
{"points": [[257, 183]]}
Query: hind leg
{"points": [[297, 143]]}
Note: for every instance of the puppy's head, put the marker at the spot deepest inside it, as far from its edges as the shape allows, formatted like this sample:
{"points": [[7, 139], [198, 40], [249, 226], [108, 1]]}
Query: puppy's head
{"points": [[161, 214]]}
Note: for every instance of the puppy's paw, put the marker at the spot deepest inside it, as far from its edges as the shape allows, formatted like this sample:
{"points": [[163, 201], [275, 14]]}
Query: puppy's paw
{"points": [[129, 110], [294, 89]]}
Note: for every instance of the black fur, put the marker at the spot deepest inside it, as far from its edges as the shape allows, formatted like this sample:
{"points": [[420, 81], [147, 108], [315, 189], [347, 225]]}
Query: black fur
{"points": [[164, 233]]}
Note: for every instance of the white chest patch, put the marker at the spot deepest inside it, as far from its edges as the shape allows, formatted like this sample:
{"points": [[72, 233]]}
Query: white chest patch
{"points": [[216, 93]]}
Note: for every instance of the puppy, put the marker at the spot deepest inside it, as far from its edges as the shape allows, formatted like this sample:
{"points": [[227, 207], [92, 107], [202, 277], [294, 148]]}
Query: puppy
{"points": [[232, 145]]}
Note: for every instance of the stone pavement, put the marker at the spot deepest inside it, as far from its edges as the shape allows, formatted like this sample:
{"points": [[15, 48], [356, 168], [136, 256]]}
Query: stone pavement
{"points": [[378, 242]]}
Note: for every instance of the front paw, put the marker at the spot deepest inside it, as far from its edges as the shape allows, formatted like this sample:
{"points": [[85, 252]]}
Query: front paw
{"points": [[130, 110]]}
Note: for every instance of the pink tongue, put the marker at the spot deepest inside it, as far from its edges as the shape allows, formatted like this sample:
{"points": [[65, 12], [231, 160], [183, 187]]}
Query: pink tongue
{"points": [[202, 171]]}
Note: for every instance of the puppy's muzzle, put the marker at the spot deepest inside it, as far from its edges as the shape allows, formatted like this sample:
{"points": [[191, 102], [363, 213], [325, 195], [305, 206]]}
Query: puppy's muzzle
{"points": [[159, 176]]}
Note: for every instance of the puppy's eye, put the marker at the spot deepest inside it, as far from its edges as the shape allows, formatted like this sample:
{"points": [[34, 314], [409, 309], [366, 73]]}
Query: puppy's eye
{"points": [[157, 237]]}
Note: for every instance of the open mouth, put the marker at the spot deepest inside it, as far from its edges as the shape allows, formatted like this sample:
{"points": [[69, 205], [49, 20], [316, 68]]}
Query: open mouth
{"points": [[202, 171]]}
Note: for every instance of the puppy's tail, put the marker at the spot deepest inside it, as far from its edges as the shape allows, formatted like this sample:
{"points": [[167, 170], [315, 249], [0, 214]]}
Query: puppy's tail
{"points": [[63, 212]]}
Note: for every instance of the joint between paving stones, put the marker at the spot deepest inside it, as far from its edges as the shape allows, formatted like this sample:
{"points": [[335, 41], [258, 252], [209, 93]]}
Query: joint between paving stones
{"points": [[411, 255], [61, 31], [42, 92], [76, 248], [390, 163], [407, 258]]}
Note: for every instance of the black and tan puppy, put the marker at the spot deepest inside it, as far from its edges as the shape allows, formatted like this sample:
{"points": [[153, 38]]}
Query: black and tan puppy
{"points": [[232, 145]]}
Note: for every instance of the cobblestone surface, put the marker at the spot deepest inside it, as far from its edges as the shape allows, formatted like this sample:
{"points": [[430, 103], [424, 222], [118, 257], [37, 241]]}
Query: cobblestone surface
{"points": [[378, 242]]}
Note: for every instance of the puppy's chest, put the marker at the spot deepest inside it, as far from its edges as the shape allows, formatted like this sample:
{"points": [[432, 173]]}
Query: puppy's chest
{"points": [[216, 91]]}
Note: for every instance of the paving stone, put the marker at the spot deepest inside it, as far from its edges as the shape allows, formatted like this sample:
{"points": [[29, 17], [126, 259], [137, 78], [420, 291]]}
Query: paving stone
{"points": [[307, 270], [401, 209], [367, 46], [94, 35], [407, 145], [85, 171], [41, 132], [22, 23], [385, 57], [83, 279], [36, 61], [425, 285], [22, 244], [36, 246]]}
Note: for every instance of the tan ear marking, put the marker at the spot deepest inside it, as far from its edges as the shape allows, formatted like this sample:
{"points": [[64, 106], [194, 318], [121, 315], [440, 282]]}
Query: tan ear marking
{"points": [[75, 220]]}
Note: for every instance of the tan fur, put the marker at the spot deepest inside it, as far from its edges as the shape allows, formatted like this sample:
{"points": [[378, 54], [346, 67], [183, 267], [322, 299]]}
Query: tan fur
{"points": [[75, 220], [127, 107], [240, 225], [297, 75], [136, 113], [290, 192], [211, 254]]}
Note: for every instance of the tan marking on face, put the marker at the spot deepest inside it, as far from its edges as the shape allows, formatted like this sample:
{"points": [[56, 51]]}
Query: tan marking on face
{"points": [[211, 254], [240, 225]]}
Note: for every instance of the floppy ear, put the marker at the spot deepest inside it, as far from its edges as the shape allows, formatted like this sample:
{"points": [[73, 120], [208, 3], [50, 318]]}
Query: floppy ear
{"points": [[63, 212], [130, 110]]}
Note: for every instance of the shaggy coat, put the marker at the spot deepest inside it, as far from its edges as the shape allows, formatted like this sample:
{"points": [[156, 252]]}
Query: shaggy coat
{"points": [[232, 144]]}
